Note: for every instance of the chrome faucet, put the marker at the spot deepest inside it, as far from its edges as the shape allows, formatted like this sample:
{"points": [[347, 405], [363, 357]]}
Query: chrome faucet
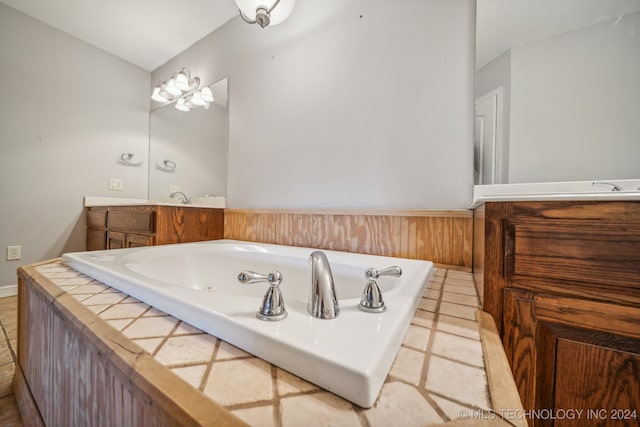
{"points": [[371, 300], [323, 302], [183, 197], [272, 307], [614, 187]]}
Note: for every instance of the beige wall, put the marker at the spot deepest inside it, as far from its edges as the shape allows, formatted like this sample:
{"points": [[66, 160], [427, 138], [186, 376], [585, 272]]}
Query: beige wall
{"points": [[67, 112], [348, 104]]}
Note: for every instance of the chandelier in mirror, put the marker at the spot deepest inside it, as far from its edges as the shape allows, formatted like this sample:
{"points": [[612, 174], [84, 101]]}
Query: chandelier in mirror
{"points": [[265, 12], [182, 89]]}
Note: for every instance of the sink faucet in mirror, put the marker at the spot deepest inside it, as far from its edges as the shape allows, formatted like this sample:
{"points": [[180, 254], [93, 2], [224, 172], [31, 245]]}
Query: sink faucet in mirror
{"points": [[183, 197], [614, 187]]}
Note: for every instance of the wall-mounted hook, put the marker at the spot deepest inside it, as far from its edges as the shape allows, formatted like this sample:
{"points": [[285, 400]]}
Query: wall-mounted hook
{"points": [[125, 159], [167, 166]]}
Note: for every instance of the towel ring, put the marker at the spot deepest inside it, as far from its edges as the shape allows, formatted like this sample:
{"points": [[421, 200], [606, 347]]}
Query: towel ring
{"points": [[167, 166], [125, 159]]}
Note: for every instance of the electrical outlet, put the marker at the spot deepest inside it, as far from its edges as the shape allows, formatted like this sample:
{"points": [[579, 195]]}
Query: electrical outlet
{"points": [[116, 184], [14, 253], [174, 188]]}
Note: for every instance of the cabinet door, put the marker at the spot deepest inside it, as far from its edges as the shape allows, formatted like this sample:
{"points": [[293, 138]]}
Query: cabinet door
{"points": [[573, 354], [138, 240], [96, 239], [115, 240], [176, 224]]}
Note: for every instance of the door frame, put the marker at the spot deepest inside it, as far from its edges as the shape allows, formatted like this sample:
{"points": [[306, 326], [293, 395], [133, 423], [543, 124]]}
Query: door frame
{"points": [[500, 159]]}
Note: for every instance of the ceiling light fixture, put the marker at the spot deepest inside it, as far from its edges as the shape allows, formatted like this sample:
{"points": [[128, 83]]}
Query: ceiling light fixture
{"points": [[182, 89], [264, 12]]}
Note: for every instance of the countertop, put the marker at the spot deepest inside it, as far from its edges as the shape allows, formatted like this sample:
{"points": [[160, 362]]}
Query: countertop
{"points": [[196, 202], [442, 375], [570, 190]]}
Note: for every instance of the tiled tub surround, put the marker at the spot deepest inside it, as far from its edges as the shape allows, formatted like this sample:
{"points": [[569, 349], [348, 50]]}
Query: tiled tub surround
{"points": [[438, 374], [198, 283]]}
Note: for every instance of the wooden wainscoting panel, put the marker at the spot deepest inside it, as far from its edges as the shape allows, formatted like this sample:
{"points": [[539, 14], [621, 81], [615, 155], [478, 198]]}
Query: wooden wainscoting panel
{"points": [[444, 237]]}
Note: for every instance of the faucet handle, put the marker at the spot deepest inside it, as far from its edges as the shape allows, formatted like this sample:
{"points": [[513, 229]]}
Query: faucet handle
{"points": [[248, 277], [272, 307], [371, 300], [373, 273]]}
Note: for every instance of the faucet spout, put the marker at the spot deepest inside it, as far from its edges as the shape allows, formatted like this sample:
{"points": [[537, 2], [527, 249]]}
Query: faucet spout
{"points": [[323, 302], [614, 187], [183, 197]]}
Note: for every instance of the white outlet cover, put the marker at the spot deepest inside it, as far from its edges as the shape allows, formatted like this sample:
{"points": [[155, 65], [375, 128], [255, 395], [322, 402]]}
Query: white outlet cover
{"points": [[116, 184], [14, 253]]}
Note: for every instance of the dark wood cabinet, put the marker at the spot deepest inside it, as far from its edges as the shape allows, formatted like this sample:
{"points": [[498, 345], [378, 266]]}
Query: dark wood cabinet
{"points": [[117, 227], [563, 281]]}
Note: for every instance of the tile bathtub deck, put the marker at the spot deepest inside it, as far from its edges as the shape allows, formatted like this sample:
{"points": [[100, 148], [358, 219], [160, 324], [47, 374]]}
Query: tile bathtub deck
{"points": [[438, 372]]}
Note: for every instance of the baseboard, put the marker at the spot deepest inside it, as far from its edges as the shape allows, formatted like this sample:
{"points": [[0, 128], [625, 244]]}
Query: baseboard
{"points": [[8, 291]]}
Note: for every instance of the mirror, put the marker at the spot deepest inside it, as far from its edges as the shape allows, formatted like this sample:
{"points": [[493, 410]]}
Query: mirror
{"points": [[557, 90], [188, 150]]}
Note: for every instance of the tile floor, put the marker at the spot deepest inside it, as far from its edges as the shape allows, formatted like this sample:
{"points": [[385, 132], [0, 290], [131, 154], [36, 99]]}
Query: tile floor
{"points": [[9, 415]]}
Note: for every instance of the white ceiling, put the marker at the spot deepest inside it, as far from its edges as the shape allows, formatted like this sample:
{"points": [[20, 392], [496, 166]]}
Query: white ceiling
{"points": [[146, 33], [502, 24]]}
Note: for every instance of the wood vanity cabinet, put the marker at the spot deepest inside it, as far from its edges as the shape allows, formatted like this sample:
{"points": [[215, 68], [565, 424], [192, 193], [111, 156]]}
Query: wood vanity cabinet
{"points": [[117, 227], [562, 280]]}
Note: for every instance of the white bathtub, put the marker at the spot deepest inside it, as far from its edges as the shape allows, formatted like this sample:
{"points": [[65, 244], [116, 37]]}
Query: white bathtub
{"points": [[197, 282]]}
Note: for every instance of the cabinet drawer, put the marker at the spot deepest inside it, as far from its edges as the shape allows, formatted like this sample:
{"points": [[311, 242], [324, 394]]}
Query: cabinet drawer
{"points": [[97, 218], [577, 250], [131, 220], [138, 240]]}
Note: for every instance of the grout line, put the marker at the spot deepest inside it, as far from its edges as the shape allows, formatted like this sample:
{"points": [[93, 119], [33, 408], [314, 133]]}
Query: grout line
{"points": [[165, 338], [212, 360], [428, 353], [275, 400], [14, 356]]}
